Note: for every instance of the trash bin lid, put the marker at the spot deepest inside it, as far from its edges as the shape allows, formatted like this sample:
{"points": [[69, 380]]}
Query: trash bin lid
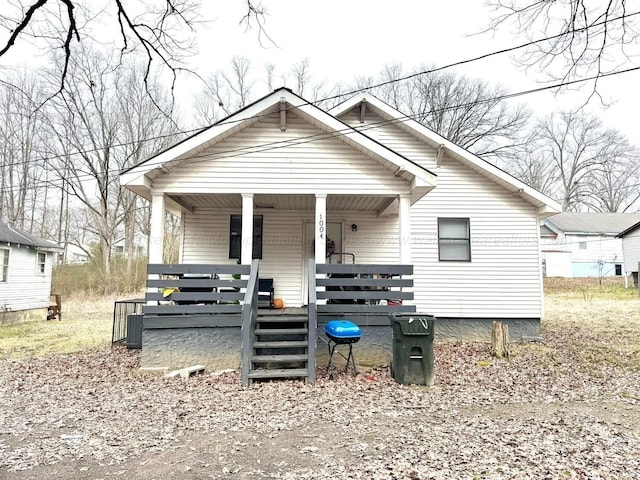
{"points": [[414, 324]]}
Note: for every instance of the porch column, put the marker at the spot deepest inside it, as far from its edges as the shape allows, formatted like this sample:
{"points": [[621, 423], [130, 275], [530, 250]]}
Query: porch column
{"points": [[247, 229], [156, 237], [404, 221], [321, 229]]}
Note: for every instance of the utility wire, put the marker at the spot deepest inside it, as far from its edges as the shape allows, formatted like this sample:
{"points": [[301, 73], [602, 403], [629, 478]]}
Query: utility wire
{"points": [[226, 121], [269, 146]]}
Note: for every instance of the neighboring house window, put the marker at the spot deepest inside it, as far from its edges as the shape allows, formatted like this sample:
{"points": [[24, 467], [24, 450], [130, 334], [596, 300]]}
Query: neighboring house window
{"points": [[235, 237], [582, 245], [4, 264], [618, 269], [42, 263], [454, 240]]}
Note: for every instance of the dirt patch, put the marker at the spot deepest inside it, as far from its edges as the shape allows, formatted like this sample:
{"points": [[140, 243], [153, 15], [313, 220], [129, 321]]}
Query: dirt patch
{"points": [[92, 416]]}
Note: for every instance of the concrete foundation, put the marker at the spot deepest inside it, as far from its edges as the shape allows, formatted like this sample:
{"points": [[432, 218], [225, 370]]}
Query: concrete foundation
{"points": [[219, 348], [21, 316], [216, 348]]}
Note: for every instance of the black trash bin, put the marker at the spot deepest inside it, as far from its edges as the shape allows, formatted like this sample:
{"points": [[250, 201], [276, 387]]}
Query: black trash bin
{"points": [[413, 349], [134, 330]]}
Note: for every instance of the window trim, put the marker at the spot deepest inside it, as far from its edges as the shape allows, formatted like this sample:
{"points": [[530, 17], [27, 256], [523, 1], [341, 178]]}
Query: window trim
{"points": [[4, 273], [41, 271], [467, 239]]}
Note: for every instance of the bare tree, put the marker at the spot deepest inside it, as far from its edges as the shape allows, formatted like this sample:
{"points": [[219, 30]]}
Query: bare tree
{"points": [[582, 151], [301, 75], [22, 166], [163, 31], [103, 120], [571, 39], [468, 112], [224, 92], [615, 182]]}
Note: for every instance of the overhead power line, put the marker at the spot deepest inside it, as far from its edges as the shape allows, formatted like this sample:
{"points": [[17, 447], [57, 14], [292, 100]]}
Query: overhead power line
{"points": [[275, 145], [381, 84], [269, 146]]}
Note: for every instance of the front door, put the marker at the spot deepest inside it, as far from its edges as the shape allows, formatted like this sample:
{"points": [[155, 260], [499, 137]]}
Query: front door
{"points": [[334, 245]]}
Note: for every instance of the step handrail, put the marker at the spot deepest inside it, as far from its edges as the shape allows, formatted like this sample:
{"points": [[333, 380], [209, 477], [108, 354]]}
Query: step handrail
{"points": [[249, 317], [312, 320]]}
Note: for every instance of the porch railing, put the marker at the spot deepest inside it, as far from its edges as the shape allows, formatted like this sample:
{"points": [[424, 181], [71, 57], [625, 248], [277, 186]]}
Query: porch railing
{"points": [[362, 290], [194, 295]]}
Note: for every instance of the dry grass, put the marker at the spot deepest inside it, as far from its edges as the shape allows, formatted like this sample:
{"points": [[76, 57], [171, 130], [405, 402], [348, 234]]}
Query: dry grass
{"points": [[86, 325], [597, 323]]}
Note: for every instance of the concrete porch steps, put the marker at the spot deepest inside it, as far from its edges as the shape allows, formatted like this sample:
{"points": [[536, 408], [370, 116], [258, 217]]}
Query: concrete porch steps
{"points": [[280, 347]]}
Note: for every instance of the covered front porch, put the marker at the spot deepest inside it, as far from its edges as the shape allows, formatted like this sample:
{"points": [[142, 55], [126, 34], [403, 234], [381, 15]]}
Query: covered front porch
{"points": [[208, 315], [284, 232]]}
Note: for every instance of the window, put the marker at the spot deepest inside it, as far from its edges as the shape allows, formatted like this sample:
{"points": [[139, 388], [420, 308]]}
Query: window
{"points": [[42, 263], [582, 245], [235, 236], [4, 264], [618, 269], [454, 242]]}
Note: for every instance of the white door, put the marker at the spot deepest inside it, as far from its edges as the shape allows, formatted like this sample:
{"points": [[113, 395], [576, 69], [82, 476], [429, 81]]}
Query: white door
{"points": [[334, 244]]}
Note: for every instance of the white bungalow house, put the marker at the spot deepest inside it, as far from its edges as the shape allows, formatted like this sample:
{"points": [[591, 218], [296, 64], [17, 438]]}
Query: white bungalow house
{"points": [[283, 181], [631, 249], [25, 275], [584, 244]]}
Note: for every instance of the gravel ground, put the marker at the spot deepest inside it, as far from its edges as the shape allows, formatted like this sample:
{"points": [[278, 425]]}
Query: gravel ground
{"points": [[542, 414]]}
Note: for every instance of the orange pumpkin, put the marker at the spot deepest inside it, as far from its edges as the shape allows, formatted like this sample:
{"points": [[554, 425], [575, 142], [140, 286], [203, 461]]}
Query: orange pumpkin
{"points": [[278, 303]]}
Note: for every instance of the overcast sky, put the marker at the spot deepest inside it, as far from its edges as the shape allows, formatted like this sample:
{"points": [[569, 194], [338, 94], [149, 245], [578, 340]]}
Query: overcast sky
{"points": [[344, 39]]}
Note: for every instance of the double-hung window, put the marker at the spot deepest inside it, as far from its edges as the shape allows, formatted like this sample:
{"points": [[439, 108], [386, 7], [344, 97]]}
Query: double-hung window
{"points": [[4, 264], [235, 237], [454, 240], [42, 263]]}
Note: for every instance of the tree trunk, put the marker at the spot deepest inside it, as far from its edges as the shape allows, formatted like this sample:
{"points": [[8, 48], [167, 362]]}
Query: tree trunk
{"points": [[500, 340]]}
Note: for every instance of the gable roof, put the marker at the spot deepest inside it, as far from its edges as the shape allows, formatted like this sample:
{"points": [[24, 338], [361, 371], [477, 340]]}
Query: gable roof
{"points": [[545, 205], [632, 228], [594, 223], [139, 177], [15, 236]]}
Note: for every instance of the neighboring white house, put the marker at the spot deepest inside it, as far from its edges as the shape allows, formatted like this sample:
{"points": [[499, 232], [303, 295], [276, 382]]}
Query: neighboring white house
{"points": [[385, 188], [584, 244], [631, 248], [25, 275], [140, 242], [75, 255]]}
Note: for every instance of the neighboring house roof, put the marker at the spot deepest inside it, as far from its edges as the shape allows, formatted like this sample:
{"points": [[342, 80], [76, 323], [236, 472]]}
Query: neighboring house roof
{"points": [[138, 178], [632, 228], [546, 205], [13, 235], [592, 223], [545, 231]]}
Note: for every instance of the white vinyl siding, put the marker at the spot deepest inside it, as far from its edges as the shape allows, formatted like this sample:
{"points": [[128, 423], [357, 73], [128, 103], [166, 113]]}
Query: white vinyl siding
{"points": [[503, 279], [24, 289], [631, 248], [206, 237], [391, 135], [261, 159]]}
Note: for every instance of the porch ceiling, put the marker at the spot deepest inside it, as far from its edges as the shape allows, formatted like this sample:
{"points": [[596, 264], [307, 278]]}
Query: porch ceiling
{"points": [[284, 202]]}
